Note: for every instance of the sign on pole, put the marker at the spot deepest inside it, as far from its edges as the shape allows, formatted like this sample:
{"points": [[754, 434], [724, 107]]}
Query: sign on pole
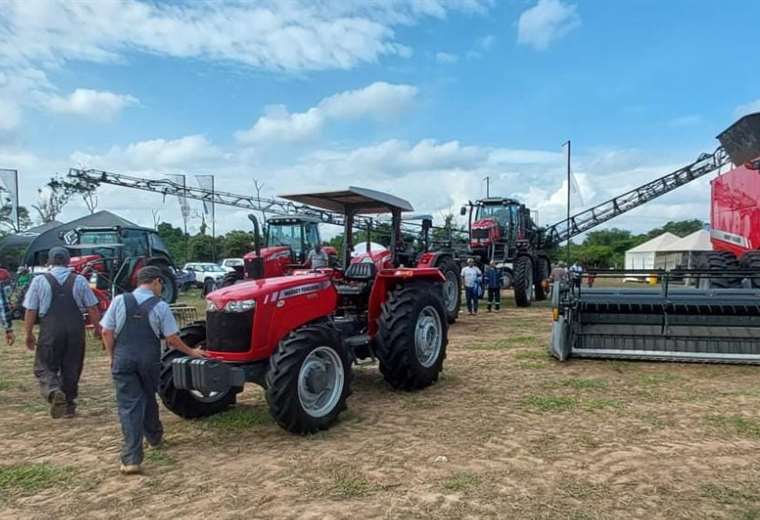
{"points": [[9, 180]]}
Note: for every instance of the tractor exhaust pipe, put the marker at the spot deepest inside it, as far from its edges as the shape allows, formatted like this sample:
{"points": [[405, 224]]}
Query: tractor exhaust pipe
{"points": [[257, 264]]}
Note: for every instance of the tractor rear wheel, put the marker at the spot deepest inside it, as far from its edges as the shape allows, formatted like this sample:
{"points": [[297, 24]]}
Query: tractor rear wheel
{"points": [[309, 379], [168, 284], [186, 403], [719, 261], [543, 270], [522, 282], [412, 337], [751, 261], [452, 290]]}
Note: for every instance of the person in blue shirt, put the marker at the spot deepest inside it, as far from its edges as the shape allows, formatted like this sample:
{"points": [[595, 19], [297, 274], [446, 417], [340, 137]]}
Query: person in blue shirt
{"points": [[59, 299], [132, 328], [494, 281], [471, 280]]}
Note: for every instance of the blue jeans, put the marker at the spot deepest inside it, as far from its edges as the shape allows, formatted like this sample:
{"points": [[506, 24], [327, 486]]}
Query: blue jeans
{"points": [[473, 295], [136, 384]]}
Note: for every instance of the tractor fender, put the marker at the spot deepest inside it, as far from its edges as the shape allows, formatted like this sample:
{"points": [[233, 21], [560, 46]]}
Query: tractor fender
{"points": [[387, 280]]}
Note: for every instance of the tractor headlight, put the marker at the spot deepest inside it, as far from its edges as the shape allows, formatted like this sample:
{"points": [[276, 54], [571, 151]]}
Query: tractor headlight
{"points": [[240, 306], [211, 306]]}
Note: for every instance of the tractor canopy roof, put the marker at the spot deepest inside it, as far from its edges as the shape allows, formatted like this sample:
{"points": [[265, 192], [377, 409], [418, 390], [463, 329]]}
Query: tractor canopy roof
{"points": [[741, 140], [491, 201], [292, 219], [360, 200]]}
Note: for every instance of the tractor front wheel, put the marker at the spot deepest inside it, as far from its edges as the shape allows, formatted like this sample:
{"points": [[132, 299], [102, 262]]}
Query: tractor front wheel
{"points": [[452, 290], [190, 404], [412, 337], [523, 283], [309, 379]]}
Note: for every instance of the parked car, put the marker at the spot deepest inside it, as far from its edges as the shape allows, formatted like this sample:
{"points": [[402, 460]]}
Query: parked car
{"points": [[232, 264], [205, 272]]}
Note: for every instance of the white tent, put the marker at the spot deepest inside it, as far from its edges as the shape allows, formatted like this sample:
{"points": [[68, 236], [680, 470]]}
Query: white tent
{"points": [[684, 251], [643, 255]]}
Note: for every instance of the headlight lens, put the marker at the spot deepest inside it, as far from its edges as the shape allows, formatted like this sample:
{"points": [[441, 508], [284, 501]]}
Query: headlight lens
{"points": [[211, 306], [240, 306]]}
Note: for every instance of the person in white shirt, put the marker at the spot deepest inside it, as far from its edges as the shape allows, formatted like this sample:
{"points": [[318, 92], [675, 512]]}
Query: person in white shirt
{"points": [[471, 279]]}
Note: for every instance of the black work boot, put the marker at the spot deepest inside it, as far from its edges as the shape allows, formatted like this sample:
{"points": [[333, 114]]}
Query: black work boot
{"points": [[57, 401], [71, 411]]}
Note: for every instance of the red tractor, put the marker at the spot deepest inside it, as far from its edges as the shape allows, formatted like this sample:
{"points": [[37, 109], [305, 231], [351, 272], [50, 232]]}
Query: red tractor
{"points": [[297, 336]]}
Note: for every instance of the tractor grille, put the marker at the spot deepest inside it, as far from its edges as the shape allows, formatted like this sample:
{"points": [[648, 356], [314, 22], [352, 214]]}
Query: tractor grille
{"points": [[479, 234], [229, 331]]}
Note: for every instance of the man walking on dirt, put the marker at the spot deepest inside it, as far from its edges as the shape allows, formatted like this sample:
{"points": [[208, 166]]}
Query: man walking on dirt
{"points": [[132, 328], [59, 299], [494, 279], [471, 281]]}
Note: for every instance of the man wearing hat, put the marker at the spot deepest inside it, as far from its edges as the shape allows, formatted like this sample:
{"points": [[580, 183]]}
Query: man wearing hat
{"points": [[132, 328], [58, 299]]}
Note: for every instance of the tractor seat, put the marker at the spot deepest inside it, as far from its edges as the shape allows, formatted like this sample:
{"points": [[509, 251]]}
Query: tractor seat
{"points": [[357, 279]]}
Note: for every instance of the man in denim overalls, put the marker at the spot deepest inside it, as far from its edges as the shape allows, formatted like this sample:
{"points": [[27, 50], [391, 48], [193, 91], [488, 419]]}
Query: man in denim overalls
{"points": [[132, 328]]}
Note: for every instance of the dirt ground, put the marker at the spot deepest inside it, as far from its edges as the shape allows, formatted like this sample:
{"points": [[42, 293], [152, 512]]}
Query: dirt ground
{"points": [[506, 433]]}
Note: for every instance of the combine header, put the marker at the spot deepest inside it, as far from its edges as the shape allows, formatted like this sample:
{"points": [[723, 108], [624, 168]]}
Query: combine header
{"points": [[717, 322]]}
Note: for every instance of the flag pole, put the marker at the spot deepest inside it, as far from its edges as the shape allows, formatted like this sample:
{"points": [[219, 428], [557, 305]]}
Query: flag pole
{"points": [[213, 221], [18, 220], [568, 201]]}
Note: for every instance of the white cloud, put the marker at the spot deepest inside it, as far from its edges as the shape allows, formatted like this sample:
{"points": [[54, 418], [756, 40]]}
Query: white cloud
{"points": [[297, 35], [188, 152], [379, 100], [747, 108], [546, 22], [10, 115], [446, 57], [89, 103]]}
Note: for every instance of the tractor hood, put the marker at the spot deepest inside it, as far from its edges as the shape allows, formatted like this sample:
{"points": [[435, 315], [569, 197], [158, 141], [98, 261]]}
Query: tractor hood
{"points": [[268, 290], [484, 223], [270, 253]]}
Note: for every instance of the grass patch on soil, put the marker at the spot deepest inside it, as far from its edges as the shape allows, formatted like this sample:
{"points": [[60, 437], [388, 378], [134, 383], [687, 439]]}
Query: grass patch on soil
{"points": [[532, 355], [554, 403], [658, 378], [461, 482], [30, 478], [580, 383], [4, 385], [499, 344], [736, 424], [159, 457], [237, 419], [349, 484]]}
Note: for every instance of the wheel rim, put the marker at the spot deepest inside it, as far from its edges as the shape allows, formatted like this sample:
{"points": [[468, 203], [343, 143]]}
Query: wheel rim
{"points": [[428, 337], [320, 381], [451, 291]]}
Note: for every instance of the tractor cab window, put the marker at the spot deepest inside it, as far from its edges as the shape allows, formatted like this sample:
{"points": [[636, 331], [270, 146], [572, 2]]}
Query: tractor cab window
{"points": [[498, 212], [100, 237], [310, 235], [157, 245], [135, 243], [288, 235]]}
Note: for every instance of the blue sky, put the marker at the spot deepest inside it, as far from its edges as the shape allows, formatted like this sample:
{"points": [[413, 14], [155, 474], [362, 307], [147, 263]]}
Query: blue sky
{"points": [[421, 98]]}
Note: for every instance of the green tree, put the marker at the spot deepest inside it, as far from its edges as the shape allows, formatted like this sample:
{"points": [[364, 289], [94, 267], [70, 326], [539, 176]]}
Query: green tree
{"points": [[175, 241], [9, 225], [680, 228], [201, 248], [237, 243]]}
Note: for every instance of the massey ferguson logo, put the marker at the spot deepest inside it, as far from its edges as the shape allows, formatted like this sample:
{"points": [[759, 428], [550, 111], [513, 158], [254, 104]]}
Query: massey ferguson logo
{"points": [[298, 290]]}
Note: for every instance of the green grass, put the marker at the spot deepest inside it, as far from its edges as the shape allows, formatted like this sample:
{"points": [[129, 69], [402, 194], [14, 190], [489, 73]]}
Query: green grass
{"points": [[159, 457], [4, 385], [461, 482], [348, 484], [532, 355], [658, 378], [580, 383], [736, 424], [552, 403], [499, 344], [532, 364], [237, 419], [730, 496], [30, 478]]}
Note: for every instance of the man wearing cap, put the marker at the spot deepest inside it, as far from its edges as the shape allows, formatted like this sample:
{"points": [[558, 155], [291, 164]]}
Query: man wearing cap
{"points": [[132, 328], [59, 299]]}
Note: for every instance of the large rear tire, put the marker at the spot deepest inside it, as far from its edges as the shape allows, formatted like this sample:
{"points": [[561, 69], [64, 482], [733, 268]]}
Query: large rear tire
{"points": [[452, 288], [751, 261], [523, 283], [168, 284], [412, 337], [543, 270], [309, 379], [187, 404], [719, 261]]}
